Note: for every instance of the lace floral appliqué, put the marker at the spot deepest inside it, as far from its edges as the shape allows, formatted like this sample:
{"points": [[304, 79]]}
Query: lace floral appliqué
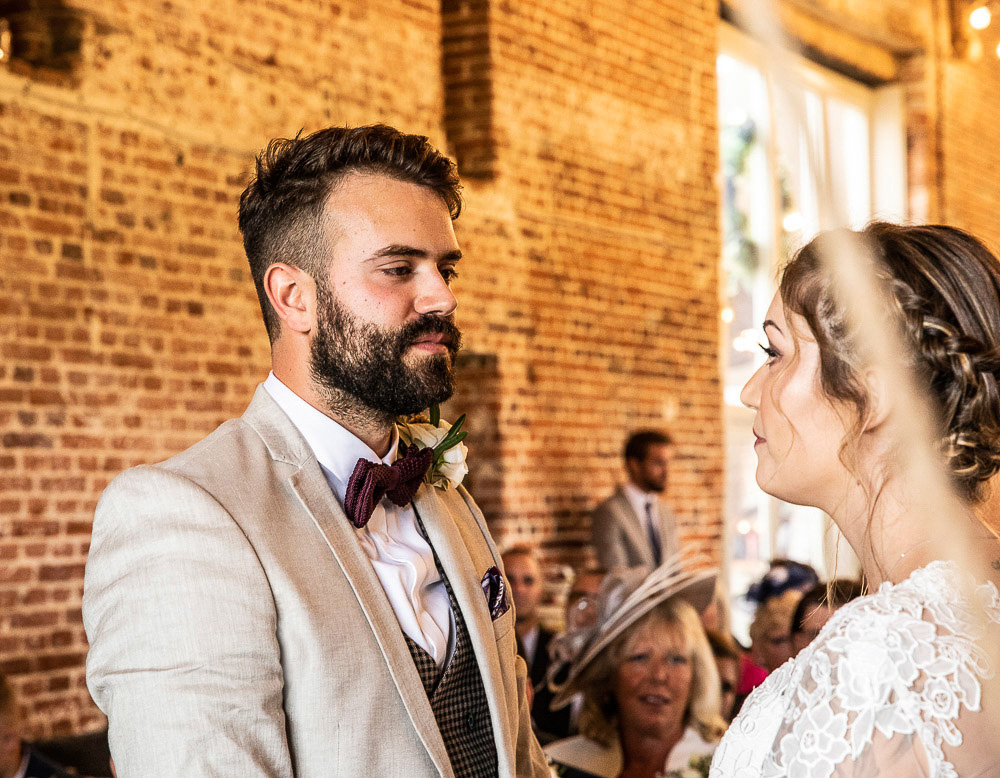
{"points": [[903, 662]]}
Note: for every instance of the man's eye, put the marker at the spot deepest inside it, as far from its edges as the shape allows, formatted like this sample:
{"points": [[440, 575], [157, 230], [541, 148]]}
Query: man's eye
{"points": [[397, 270], [449, 274]]}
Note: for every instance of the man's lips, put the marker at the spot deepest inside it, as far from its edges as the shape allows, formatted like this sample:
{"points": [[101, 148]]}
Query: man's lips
{"points": [[435, 341]]}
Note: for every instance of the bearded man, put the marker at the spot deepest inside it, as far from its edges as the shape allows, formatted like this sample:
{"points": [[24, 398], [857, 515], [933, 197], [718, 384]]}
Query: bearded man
{"points": [[297, 595]]}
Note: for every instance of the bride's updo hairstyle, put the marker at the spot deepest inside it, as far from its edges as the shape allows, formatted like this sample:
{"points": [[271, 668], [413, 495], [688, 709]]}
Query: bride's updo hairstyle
{"points": [[941, 288]]}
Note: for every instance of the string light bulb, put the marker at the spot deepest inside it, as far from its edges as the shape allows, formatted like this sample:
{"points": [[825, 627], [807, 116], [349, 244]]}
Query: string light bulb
{"points": [[5, 40], [980, 18]]}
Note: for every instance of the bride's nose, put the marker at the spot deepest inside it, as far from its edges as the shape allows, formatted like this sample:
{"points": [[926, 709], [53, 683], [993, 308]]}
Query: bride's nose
{"points": [[750, 394]]}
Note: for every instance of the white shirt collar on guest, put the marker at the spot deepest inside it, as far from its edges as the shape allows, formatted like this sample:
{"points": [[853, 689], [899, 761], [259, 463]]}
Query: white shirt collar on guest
{"points": [[638, 498], [336, 448]]}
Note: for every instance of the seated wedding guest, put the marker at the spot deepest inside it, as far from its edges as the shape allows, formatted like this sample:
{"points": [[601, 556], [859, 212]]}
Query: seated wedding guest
{"points": [[715, 618], [770, 642], [524, 573], [580, 614], [782, 576], [817, 606], [879, 404], [771, 631], [649, 684], [581, 602], [17, 758], [727, 661]]}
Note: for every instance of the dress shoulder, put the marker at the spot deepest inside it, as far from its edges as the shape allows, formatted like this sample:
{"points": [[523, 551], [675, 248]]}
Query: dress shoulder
{"points": [[888, 671]]}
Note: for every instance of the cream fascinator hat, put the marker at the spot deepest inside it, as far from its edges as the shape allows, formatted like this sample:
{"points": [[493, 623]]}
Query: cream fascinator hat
{"points": [[626, 595]]}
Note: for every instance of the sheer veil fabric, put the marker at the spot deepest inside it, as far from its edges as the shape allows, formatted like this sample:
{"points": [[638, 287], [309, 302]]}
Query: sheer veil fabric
{"points": [[898, 683]]}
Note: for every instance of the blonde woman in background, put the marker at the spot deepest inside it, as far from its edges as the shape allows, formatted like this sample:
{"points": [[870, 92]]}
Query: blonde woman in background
{"points": [[648, 678]]}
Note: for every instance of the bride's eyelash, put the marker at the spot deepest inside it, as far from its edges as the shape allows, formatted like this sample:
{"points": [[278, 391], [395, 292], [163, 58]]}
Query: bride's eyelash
{"points": [[771, 353]]}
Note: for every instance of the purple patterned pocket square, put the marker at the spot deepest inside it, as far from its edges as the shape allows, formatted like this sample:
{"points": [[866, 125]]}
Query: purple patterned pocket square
{"points": [[495, 589]]}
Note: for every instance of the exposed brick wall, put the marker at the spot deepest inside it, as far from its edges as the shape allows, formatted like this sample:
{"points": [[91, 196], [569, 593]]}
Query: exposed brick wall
{"points": [[971, 141], [129, 327], [605, 117], [128, 323]]}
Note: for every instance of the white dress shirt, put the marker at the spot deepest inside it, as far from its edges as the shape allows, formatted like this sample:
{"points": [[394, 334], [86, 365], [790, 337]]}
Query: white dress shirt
{"points": [[646, 506], [400, 555], [529, 643]]}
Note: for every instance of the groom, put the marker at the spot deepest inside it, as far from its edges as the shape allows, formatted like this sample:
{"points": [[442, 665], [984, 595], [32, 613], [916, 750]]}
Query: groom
{"points": [[271, 602]]}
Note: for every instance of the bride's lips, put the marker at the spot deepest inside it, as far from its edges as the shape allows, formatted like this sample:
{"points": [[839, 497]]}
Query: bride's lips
{"points": [[758, 440]]}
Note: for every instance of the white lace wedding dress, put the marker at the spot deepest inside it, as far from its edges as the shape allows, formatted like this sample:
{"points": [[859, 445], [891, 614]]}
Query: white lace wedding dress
{"points": [[893, 686]]}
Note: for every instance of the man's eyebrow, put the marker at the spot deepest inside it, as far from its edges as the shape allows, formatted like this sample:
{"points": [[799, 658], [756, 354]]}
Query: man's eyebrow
{"points": [[400, 250], [770, 323]]}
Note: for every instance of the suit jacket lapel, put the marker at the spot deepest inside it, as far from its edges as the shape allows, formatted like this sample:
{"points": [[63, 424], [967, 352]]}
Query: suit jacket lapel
{"points": [[446, 537], [668, 532], [633, 526], [309, 484]]}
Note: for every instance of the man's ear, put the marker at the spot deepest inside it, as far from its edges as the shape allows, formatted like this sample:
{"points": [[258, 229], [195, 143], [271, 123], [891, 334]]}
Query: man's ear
{"points": [[292, 293], [879, 401]]}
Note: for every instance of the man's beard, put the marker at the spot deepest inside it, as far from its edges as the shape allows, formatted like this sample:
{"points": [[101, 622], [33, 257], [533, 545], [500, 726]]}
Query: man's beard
{"points": [[654, 487], [358, 359]]}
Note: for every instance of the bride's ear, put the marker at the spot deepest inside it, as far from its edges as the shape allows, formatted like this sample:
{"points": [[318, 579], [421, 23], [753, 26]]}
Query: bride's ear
{"points": [[879, 400]]}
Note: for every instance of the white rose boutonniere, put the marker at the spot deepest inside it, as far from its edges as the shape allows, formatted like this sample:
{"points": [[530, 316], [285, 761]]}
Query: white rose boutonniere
{"points": [[448, 468]]}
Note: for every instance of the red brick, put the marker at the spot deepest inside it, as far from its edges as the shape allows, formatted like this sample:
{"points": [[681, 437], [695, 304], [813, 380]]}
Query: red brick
{"points": [[586, 135]]}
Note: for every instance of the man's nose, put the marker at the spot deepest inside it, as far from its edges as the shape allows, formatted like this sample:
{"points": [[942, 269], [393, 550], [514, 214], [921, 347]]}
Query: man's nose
{"points": [[434, 296]]}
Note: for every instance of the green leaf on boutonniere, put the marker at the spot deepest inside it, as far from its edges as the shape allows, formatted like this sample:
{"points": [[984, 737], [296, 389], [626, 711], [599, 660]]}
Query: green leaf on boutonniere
{"points": [[453, 437], [435, 413]]}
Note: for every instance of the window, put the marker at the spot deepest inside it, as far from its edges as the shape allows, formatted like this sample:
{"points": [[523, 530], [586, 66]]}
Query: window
{"points": [[789, 143]]}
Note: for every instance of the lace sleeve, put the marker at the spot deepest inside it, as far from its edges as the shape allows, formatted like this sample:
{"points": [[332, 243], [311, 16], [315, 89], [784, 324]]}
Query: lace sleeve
{"points": [[885, 690]]}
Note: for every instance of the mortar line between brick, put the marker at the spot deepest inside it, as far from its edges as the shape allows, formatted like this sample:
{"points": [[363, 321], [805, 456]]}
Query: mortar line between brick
{"points": [[35, 97]]}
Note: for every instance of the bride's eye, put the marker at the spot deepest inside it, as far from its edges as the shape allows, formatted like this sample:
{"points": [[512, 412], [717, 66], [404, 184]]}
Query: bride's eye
{"points": [[772, 354]]}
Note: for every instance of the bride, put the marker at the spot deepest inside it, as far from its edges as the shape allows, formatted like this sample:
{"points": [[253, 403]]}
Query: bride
{"points": [[900, 682]]}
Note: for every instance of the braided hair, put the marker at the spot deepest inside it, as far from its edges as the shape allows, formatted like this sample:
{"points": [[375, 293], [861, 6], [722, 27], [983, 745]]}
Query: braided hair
{"points": [[941, 288]]}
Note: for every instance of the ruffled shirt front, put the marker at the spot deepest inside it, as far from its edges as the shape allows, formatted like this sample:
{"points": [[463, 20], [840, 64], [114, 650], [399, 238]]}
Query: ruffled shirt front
{"points": [[400, 555]]}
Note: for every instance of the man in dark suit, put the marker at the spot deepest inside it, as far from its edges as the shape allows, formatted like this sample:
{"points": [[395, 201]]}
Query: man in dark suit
{"points": [[635, 527], [525, 576]]}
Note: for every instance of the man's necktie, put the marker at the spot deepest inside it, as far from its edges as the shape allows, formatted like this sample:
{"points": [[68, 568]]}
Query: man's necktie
{"points": [[371, 481], [654, 536]]}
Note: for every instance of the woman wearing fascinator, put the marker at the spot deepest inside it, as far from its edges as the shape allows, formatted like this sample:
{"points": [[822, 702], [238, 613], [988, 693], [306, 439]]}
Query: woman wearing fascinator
{"points": [[879, 403], [649, 682]]}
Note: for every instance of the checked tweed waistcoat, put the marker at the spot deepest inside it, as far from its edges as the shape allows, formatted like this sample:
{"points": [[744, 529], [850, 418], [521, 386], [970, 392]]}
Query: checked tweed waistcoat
{"points": [[458, 698]]}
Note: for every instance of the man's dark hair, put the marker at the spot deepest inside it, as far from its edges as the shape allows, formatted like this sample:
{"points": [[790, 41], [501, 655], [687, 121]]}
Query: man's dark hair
{"points": [[638, 443], [281, 208]]}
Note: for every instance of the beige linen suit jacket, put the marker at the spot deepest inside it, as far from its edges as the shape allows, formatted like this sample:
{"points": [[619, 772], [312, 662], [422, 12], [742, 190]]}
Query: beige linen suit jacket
{"points": [[237, 628], [620, 539]]}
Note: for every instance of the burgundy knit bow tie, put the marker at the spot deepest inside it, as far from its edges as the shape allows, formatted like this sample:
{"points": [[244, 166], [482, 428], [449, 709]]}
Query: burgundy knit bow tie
{"points": [[371, 481]]}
